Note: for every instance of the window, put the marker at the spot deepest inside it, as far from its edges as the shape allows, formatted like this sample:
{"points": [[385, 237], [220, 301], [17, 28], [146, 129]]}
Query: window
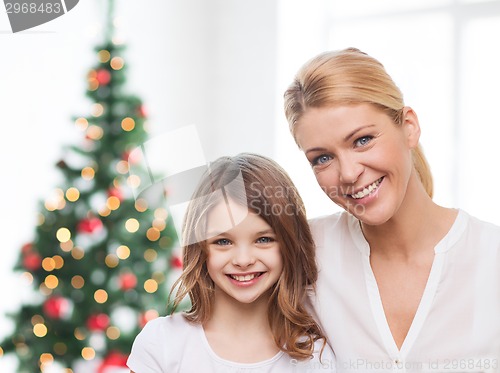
{"points": [[443, 54]]}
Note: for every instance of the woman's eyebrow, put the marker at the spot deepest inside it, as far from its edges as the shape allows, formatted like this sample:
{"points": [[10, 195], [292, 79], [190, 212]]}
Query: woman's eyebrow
{"points": [[353, 133]]}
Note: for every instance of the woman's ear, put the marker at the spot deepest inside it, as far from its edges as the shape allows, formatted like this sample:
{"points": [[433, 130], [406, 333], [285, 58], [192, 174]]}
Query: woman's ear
{"points": [[411, 126]]}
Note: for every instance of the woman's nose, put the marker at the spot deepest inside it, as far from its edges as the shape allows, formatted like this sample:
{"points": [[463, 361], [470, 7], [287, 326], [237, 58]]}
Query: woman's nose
{"points": [[349, 170]]}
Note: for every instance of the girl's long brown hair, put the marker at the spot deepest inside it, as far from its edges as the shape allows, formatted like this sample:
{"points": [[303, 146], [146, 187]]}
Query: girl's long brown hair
{"points": [[269, 192]]}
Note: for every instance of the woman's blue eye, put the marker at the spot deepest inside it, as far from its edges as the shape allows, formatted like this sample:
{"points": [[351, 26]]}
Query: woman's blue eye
{"points": [[322, 159], [362, 141]]}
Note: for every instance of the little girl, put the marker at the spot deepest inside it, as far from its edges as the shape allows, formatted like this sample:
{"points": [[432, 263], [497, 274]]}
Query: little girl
{"points": [[248, 266]]}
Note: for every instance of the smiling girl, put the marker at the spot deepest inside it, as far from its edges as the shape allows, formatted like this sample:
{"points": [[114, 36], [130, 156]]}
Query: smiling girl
{"points": [[404, 283], [247, 271]]}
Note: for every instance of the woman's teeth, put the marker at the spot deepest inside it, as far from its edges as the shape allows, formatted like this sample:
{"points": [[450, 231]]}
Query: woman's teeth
{"points": [[369, 189]]}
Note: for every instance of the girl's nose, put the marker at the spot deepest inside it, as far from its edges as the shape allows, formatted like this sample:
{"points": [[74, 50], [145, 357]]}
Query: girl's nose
{"points": [[243, 256]]}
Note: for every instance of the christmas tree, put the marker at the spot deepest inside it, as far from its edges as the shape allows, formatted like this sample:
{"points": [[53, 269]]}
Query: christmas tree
{"points": [[101, 258]]}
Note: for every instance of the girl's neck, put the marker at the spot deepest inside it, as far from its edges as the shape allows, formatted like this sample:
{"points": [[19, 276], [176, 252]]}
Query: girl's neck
{"points": [[227, 312], [415, 229], [240, 332]]}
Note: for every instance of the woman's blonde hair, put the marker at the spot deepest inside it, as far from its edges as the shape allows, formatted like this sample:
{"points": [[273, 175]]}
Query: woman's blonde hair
{"points": [[268, 191], [349, 76]]}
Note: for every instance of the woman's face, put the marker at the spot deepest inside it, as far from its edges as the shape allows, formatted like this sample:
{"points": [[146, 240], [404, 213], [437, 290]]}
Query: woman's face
{"points": [[361, 158]]}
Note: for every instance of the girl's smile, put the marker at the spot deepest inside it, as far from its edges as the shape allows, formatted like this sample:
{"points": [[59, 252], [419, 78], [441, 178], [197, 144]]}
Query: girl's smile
{"points": [[245, 261], [245, 279]]}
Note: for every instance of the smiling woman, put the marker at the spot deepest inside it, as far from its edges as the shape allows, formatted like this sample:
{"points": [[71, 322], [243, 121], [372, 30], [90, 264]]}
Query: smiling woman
{"points": [[447, 71], [404, 282], [352, 138]]}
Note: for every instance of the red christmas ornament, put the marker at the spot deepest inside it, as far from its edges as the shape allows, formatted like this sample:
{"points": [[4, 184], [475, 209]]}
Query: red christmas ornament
{"points": [[127, 281], [98, 322], [32, 261], [176, 262], [103, 76], [143, 320], [114, 359], [147, 316], [115, 192], [132, 157], [57, 307], [125, 155], [27, 247], [141, 111], [89, 225]]}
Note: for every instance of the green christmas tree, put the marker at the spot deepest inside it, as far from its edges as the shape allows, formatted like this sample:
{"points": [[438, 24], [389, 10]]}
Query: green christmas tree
{"points": [[101, 259]]}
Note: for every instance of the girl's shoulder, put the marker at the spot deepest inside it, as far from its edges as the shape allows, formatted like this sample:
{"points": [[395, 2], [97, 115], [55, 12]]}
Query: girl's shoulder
{"points": [[160, 343], [175, 324], [323, 360]]}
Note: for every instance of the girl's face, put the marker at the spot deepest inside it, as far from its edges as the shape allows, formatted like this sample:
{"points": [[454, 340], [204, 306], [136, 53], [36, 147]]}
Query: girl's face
{"points": [[361, 159], [245, 261]]}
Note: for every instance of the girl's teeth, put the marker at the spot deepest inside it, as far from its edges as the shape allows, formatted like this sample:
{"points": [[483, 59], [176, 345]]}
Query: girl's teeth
{"points": [[243, 278], [367, 190]]}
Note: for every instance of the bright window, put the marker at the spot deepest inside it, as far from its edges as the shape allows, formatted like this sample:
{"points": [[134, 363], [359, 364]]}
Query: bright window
{"points": [[444, 55]]}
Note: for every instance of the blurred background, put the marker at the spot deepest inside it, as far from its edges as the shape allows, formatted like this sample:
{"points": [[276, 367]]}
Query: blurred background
{"points": [[222, 66]]}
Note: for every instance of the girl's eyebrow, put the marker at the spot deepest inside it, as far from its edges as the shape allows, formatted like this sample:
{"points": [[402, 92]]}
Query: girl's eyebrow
{"points": [[211, 234], [266, 231]]}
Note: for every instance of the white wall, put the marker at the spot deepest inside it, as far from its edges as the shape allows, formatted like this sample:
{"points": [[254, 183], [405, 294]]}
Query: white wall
{"points": [[211, 64]]}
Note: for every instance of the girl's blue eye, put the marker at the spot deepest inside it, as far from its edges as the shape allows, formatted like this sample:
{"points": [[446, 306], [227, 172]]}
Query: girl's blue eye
{"points": [[265, 240], [322, 159], [223, 242], [362, 141]]}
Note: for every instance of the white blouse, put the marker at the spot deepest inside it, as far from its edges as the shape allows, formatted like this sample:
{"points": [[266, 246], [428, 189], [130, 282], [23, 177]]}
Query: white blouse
{"points": [[457, 324], [171, 344]]}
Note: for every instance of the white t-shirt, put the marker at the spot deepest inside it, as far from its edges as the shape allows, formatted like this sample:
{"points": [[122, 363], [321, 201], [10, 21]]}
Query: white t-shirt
{"points": [[457, 324], [173, 345]]}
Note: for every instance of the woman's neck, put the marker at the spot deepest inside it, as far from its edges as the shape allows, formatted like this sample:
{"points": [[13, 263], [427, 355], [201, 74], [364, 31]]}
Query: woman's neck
{"points": [[415, 229]]}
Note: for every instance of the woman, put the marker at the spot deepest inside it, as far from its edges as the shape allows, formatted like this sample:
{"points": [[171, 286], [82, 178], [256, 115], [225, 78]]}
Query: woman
{"points": [[404, 284]]}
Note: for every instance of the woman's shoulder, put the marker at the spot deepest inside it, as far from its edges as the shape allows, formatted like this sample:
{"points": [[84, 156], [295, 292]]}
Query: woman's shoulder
{"points": [[330, 225], [481, 230], [480, 223], [339, 218]]}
